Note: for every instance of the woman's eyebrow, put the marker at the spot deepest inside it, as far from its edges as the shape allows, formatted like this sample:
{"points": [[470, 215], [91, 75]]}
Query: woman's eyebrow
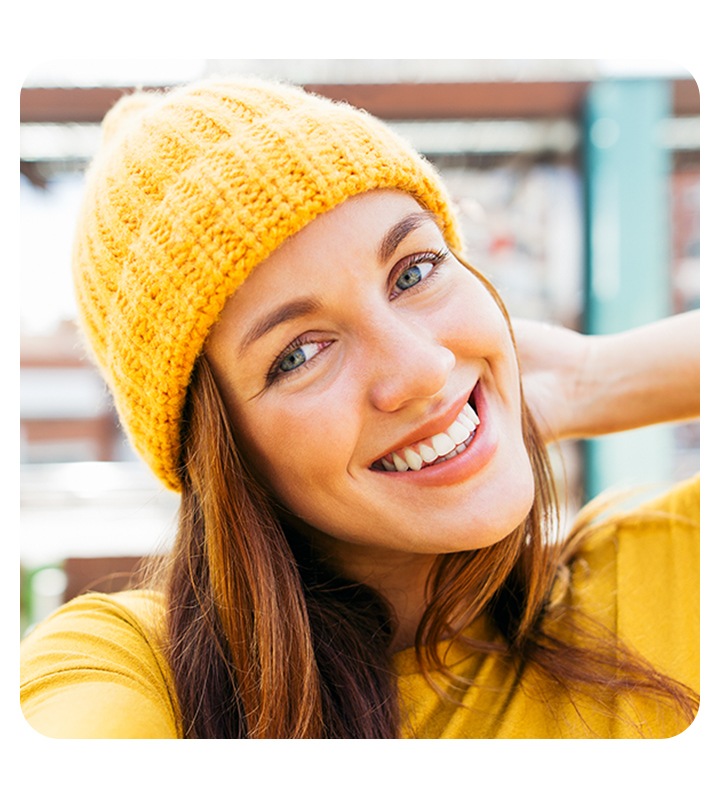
{"points": [[284, 313], [401, 229]]}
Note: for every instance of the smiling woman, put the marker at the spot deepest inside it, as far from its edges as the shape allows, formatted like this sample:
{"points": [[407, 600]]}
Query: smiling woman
{"points": [[382, 370], [273, 287]]}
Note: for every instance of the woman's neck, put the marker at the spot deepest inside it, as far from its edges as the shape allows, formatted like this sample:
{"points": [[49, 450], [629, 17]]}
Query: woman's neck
{"points": [[401, 579]]}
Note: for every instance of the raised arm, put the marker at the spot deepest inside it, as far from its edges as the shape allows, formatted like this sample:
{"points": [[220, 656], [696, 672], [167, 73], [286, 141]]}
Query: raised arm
{"points": [[584, 386]]}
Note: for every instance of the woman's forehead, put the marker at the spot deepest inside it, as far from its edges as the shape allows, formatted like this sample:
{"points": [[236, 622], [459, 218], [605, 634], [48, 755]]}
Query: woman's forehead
{"points": [[363, 231], [364, 215], [371, 224]]}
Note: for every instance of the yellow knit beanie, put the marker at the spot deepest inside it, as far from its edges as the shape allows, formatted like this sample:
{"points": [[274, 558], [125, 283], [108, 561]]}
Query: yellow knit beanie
{"points": [[191, 190]]}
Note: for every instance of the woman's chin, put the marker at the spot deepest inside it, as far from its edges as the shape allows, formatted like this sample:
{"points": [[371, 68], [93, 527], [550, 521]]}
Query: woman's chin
{"points": [[495, 518]]}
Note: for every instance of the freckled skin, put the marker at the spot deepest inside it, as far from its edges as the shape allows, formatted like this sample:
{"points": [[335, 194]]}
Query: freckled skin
{"points": [[379, 363]]}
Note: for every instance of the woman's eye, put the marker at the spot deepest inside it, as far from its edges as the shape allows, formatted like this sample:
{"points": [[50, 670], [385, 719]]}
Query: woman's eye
{"points": [[296, 358], [417, 272], [299, 356], [292, 360], [412, 276]]}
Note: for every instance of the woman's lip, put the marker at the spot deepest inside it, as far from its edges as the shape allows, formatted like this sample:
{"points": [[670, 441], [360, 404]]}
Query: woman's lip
{"points": [[480, 450], [437, 425]]}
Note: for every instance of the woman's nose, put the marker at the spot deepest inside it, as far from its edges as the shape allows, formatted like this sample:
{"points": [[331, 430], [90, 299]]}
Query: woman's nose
{"points": [[409, 364]]}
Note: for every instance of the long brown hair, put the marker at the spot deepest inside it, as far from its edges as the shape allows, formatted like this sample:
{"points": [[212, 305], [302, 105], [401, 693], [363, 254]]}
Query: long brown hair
{"points": [[266, 641]]}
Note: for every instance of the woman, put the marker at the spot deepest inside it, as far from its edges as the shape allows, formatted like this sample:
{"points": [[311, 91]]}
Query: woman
{"points": [[272, 285]]}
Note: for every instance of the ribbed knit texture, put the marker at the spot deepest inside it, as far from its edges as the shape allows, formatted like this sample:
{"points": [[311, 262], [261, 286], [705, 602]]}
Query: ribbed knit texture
{"points": [[193, 189]]}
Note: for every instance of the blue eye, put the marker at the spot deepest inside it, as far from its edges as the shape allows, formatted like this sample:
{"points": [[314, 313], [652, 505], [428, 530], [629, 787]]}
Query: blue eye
{"points": [[417, 272], [292, 360], [298, 357], [409, 278]]}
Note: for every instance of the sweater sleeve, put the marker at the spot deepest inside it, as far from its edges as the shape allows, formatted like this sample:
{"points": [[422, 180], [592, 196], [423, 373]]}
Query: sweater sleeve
{"points": [[93, 669]]}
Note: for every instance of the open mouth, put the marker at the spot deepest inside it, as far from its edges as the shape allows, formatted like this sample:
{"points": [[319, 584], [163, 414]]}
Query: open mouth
{"points": [[435, 449]]}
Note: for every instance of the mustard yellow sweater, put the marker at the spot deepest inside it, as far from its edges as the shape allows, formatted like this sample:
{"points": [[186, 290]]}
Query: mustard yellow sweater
{"points": [[94, 668]]}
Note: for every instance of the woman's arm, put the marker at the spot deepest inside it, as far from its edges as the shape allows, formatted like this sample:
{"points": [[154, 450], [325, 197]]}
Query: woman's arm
{"points": [[582, 386]]}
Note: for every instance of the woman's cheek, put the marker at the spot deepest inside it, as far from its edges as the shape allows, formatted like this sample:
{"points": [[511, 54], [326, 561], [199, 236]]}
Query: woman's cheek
{"points": [[298, 441]]}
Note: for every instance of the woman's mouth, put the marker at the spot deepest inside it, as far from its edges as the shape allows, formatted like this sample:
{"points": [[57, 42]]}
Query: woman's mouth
{"points": [[435, 449]]}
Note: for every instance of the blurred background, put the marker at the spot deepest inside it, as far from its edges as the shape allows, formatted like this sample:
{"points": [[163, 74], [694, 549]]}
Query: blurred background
{"points": [[577, 184]]}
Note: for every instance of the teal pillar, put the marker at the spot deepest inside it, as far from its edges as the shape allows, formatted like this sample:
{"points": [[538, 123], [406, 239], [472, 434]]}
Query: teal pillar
{"points": [[628, 279]]}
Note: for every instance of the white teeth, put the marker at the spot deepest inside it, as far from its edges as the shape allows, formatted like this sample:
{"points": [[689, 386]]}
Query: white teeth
{"points": [[466, 422], [442, 444], [400, 465], [470, 412], [414, 461], [458, 432], [440, 447], [453, 453], [427, 453]]}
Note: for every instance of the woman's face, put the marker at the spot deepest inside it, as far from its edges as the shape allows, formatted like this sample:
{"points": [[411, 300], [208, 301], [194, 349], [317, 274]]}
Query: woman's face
{"points": [[355, 363]]}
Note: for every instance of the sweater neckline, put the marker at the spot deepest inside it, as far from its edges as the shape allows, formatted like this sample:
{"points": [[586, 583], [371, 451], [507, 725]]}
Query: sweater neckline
{"points": [[406, 662]]}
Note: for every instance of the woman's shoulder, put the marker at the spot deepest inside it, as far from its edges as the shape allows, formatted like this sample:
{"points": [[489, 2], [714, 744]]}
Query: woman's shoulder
{"points": [[133, 614], [626, 536], [664, 516], [638, 573], [95, 668], [679, 506]]}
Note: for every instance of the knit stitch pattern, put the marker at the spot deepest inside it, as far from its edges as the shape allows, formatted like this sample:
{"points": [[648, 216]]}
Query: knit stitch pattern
{"points": [[191, 190]]}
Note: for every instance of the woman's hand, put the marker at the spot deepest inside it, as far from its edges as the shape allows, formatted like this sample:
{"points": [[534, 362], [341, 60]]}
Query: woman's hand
{"points": [[582, 386], [551, 364]]}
